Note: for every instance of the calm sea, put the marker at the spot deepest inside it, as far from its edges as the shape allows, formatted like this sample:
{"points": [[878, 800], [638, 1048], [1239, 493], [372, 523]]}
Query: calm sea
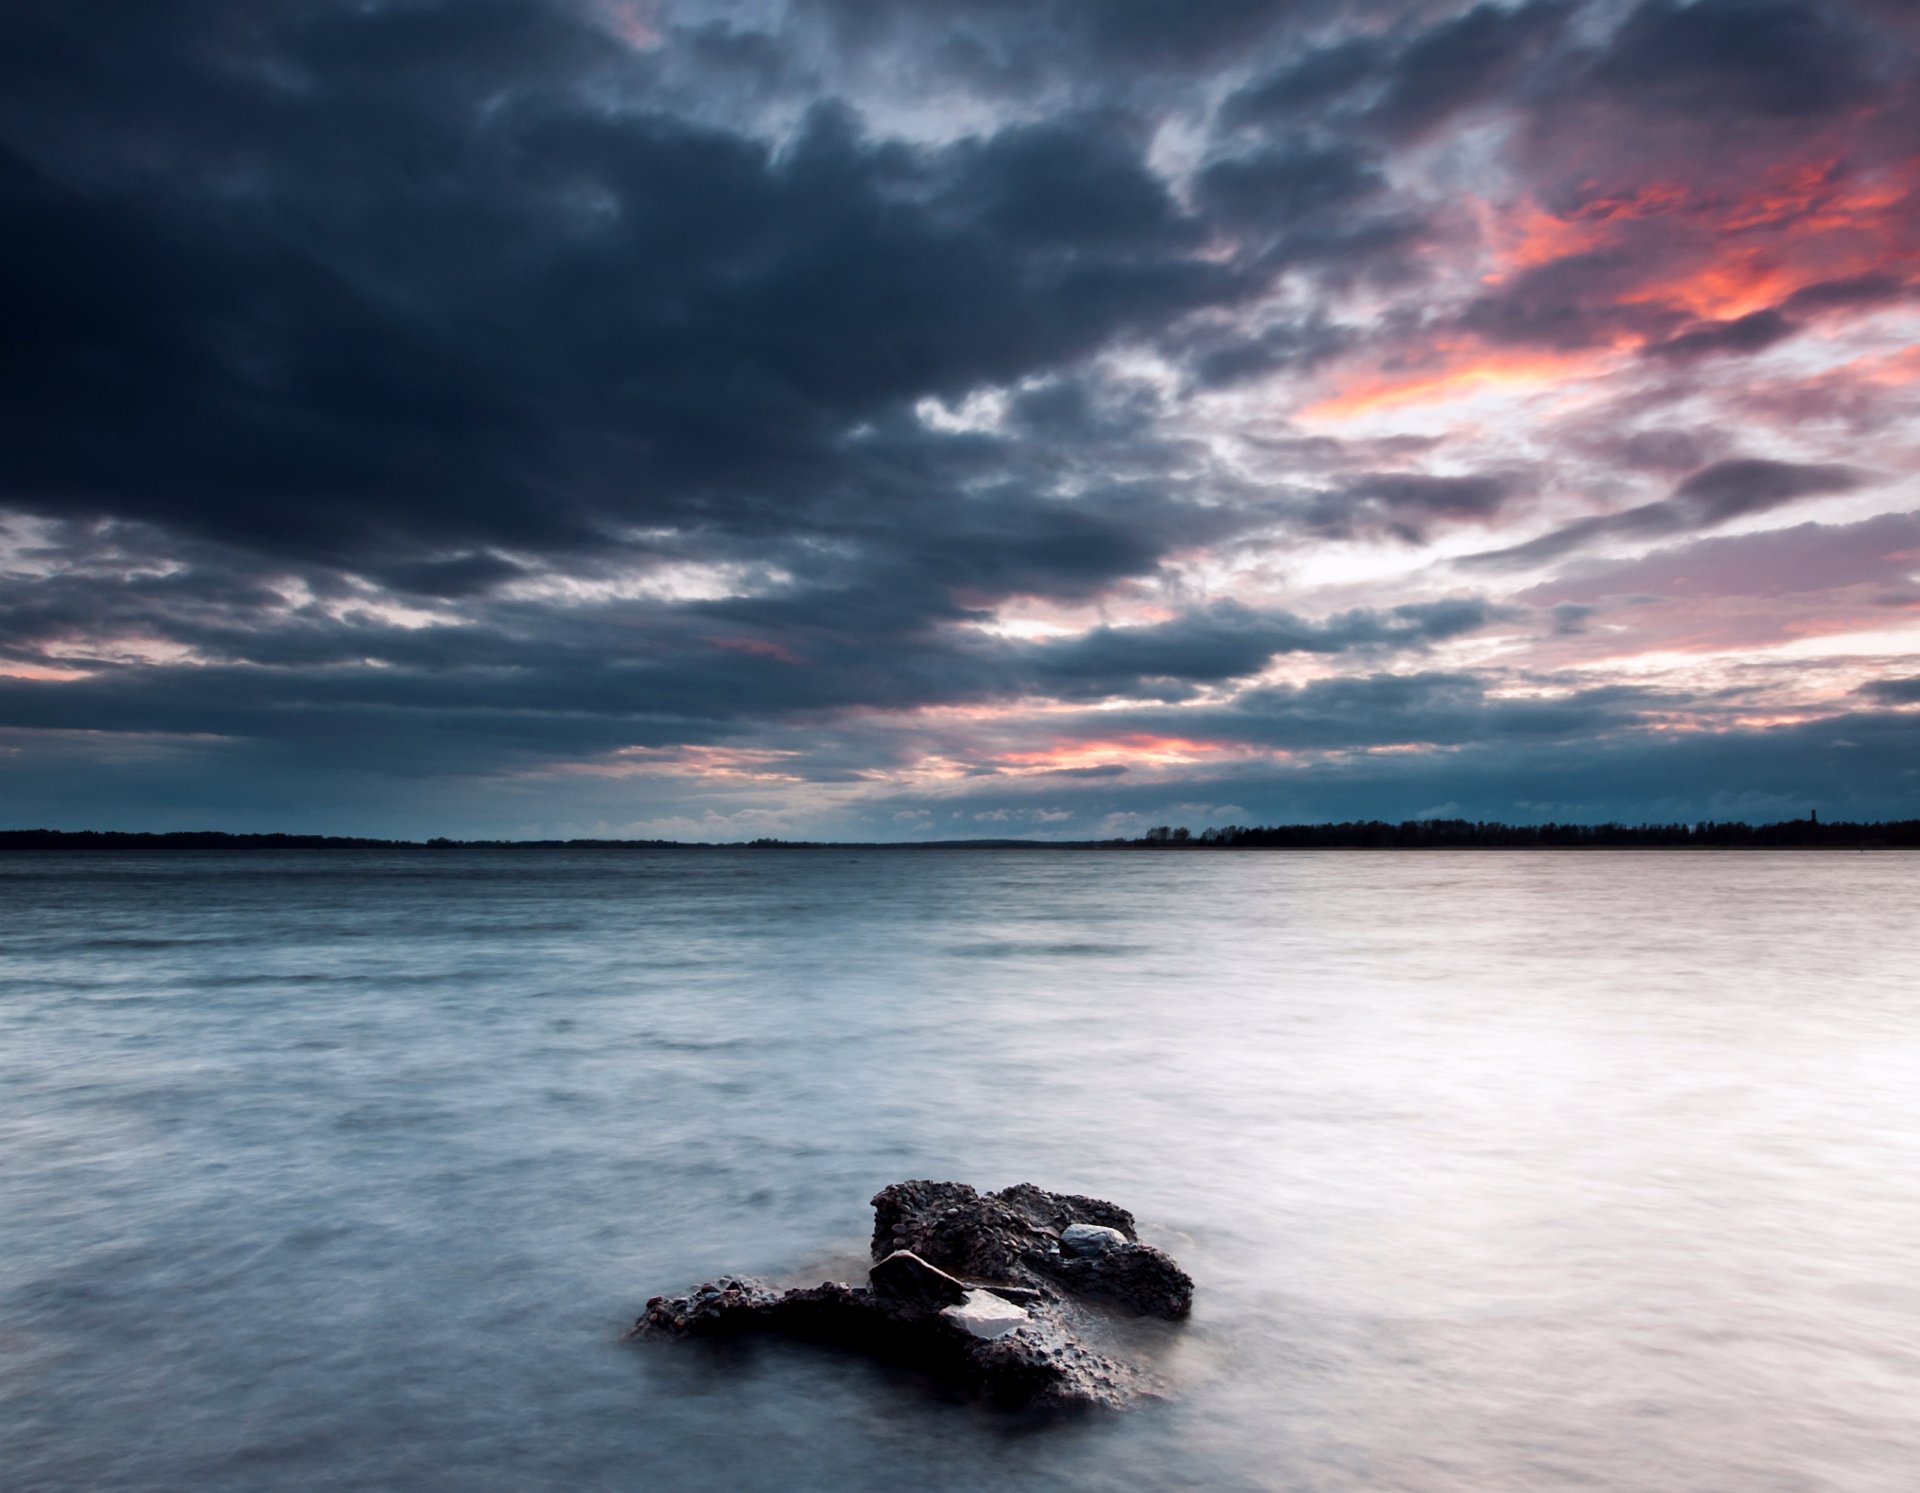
{"points": [[1496, 1171]]}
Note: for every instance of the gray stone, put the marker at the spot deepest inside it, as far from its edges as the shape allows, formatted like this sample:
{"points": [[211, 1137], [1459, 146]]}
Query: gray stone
{"points": [[1090, 1239], [985, 1315], [904, 1276]]}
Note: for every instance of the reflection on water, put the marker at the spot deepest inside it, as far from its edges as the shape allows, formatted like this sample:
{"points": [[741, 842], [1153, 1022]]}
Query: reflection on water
{"points": [[1497, 1172]]}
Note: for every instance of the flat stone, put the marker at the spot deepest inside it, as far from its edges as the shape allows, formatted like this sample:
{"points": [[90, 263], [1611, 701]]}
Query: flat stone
{"points": [[1090, 1239], [985, 1315], [904, 1276]]}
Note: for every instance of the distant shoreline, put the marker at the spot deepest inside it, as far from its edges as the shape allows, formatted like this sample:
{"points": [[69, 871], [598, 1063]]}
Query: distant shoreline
{"points": [[1422, 834]]}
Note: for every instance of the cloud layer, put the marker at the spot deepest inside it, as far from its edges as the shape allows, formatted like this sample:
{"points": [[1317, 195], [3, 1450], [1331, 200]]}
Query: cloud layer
{"points": [[860, 418]]}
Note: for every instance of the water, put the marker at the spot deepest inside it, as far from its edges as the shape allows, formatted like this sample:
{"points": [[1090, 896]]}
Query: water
{"points": [[1496, 1172]]}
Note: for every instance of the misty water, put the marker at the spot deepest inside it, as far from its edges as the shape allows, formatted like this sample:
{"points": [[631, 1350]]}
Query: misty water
{"points": [[1496, 1171]]}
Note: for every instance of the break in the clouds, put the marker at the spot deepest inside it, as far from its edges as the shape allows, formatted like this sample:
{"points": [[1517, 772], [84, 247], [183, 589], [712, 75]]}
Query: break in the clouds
{"points": [[861, 418]]}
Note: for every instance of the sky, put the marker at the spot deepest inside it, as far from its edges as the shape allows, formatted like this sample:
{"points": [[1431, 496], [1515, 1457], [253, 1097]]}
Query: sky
{"points": [[883, 420]]}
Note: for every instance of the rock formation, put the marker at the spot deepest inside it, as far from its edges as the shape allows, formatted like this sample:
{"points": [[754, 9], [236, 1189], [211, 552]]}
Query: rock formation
{"points": [[985, 1290]]}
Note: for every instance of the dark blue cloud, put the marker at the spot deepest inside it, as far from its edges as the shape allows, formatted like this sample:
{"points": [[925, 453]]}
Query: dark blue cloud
{"points": [[1786, 59]]}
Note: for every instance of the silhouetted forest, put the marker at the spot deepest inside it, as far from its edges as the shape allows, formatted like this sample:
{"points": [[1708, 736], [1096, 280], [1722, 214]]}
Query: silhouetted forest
{"points": [[1470, 834], [1369, 834]]}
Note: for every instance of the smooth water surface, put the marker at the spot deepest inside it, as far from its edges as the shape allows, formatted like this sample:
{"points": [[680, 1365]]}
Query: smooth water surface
{"points": [[1507, 1171]]}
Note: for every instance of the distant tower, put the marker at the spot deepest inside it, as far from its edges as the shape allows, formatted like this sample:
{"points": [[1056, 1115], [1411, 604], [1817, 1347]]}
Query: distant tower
{"points": [[1813, 816]]}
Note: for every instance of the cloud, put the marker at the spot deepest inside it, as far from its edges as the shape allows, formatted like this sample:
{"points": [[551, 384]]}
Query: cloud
{"points": [[737, 416], [555, 323], [1403, 505], [1785, 59], [1408, 81], [1711, 496], [1227, 641], [1278, 188], [1304, 86], [1778, 562], [1893, 691], [981, 39], [1466, 60], [1752, 333]]}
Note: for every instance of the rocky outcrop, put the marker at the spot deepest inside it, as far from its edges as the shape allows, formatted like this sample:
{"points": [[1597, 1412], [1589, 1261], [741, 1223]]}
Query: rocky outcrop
{"points": [[984, 1290]]}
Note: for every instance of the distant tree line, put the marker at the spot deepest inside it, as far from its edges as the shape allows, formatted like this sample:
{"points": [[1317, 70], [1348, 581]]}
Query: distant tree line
{"points": [[212, 839], [1366, 834], [1465, 834]]}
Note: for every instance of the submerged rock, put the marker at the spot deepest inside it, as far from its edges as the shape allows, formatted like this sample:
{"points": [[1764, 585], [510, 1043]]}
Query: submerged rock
{"points": [[979, 1288]]}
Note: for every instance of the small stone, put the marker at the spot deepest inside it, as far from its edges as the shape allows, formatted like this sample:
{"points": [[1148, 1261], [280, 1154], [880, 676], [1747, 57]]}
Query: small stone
{"points": [[985, 1315], [904, 1276], [1090, 1239]]}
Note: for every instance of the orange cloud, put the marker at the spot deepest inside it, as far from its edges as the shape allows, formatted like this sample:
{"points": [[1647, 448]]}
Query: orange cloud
{"points": [[1730, 287], [1137, 748], [1722, 256], [1805, 222], [736, 763], [1895, 370], [1527, 235], [1530, 235], [1453, 370]]}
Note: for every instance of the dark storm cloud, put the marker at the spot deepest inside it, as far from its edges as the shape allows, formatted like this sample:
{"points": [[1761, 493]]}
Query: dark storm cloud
{"points": [[470, 574], [1068, 183], [1404, 505], [1302, 205], [1421, 710], [1408, 81], [1220, 358], [1783, 59], [1463, 61], [1279, 187], [526, 320], [1752, 333], [1227, 641], [1893, 691], [1851, 294], [1303, 86], [1004, 42], [1714, 495]]}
